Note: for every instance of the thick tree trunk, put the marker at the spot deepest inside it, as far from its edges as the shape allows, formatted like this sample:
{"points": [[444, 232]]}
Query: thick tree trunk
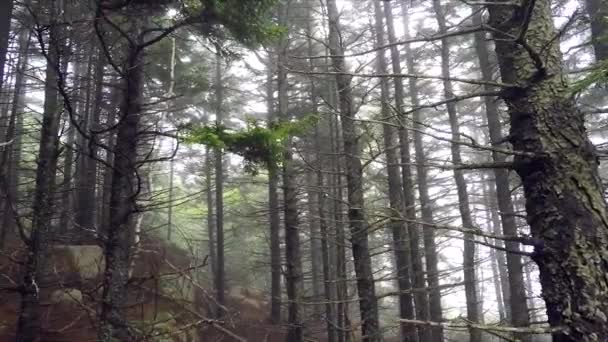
{"points": [[368, 303], [273, 210], [113, 323], [470, 279], [558, 167], [430, 247], [28, 326], [517, 294], [398, 226]]}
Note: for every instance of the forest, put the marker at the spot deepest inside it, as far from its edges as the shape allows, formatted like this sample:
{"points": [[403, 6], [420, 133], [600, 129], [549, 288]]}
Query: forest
{"points": [[304, 170]]}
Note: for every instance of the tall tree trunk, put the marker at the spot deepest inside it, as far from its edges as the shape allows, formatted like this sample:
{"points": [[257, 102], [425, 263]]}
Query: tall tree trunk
{"points": [[430, 247], [273, 209], [517, 293], [396, 212], [597, 10], [420, 297], [558, 167], [493, 221], [470, 279], [87, 174], [6, 14], [220, 272], [329, 289], [316, 258], [210, 217], [293, 275], [113, 323], [11, 156], [28, 326], [368, 303]]}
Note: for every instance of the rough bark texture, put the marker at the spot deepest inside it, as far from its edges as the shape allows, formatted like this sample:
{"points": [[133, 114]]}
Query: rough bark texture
{"points": [[558, 167], [368, 304], [399, 228], [120, 235], [430, 247], [518, 308], [470, 279]]}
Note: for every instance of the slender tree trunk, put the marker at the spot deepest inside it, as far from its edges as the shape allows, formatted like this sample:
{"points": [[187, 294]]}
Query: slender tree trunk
{"points": [[470, 278], [420, 297], [430, 247], [28, 326], [493, 222], [11, 156], [113, 323], [328, 278], [517, 294], [395, 191], [368, 303], [220, 272], [87, 176], [6, 14], [273, 210], [293, 275], [558, 167], [210, 220]]}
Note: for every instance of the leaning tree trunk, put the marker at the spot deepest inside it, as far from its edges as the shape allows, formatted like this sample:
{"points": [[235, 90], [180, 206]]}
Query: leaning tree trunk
{"points": [[470, 279], [426, 210], [518, 308], [368, 303], [559, 171], [399, 227]]}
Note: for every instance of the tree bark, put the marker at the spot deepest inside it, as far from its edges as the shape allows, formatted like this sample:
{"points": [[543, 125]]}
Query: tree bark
{"points": [[470, 279], [113, 323], [220, 272], [273, 210], [558, 167], [517, 293], [293, 274], [28, 326], [11, 156], [368, 303], [6, 14], [430, 247], [398, 226]]}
